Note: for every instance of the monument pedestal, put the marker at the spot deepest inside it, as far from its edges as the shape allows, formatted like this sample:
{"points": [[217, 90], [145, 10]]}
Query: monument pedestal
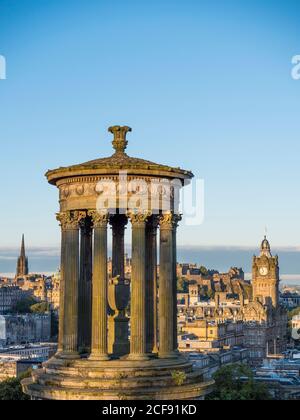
{"points": [[117, 380]]}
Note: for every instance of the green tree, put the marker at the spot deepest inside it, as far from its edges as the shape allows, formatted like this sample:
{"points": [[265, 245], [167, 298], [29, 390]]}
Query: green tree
{"points": [[203, 271], [231, 385], [182, 285], [40, 308], [293, 313], [24, 305], [11, 389]]}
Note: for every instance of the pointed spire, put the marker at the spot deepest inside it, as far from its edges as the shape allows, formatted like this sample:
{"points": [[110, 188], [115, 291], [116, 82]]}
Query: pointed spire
{"points": [[23, 254], [22, 265]]}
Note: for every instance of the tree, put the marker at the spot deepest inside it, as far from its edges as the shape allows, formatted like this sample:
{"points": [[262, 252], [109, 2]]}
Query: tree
{"points": [[11, 389], [24, 305], [40, 308], [236, 382], [293, 313], [203, 271], [182, 285]]}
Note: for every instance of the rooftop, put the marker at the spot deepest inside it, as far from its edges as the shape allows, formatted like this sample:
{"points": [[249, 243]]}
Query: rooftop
{"points": [[119, 161]]}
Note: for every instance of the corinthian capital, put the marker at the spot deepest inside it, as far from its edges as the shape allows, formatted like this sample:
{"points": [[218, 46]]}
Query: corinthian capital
{"points": [[138, 218], [169, 220], [70, 220], [99, 219]]}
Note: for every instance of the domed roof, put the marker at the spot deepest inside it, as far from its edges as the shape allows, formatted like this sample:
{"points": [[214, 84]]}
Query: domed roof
{"points": [[119, 161], [265, 244], [265, 247]]}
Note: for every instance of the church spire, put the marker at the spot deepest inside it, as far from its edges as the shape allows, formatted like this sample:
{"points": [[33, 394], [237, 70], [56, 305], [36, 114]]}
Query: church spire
{"points": [[22, 254], [22, 265]]}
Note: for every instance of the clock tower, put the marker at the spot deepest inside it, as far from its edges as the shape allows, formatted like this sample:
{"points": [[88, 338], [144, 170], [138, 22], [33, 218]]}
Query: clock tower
{"points": [[265, 276]]}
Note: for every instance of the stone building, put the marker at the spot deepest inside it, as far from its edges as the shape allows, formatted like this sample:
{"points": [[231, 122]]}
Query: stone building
{"points": [[98, 356], [211, 335], [21, 329], [9, 296], [255, 305], [265, 319], [42, 288]]}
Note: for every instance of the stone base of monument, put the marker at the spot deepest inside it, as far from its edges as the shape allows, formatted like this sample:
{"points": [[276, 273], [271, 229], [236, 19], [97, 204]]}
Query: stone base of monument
{"points": [[155, 379]]}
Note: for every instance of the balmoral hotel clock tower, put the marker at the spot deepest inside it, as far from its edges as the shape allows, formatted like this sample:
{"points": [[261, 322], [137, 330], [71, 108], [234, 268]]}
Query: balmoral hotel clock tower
{"points": [[265, 276]]}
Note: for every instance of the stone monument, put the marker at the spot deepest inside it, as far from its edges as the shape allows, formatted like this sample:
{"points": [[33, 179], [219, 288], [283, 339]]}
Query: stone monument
{"points": [[99, 357]]}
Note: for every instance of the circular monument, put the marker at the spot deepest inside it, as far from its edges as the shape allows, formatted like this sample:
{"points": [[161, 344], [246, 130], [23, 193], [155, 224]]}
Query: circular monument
{"points": [[102, 354]]}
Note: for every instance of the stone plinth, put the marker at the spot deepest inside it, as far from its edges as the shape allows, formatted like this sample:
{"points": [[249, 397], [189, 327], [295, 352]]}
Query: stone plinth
{"points": [[116, 380]]}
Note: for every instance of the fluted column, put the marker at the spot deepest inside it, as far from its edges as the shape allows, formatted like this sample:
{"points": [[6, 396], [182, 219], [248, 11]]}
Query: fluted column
{"points": [[99, 299], [85, 287], [176, 220], [118, 342], [118, 223], [166, 287], [70, 255], [138, 288], [61, 217], [151, 284]]}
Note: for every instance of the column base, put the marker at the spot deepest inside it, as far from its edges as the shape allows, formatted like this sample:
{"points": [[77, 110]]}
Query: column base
{"points": [[68, 355], [137, 357], [94, 357]]}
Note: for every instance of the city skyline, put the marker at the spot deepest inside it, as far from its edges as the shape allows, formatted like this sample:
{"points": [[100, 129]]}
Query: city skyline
{"points": [[47, 260], [224, 77]]}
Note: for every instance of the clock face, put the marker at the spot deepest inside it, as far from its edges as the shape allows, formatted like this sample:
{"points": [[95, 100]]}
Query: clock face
{"points": [[263, 271]]}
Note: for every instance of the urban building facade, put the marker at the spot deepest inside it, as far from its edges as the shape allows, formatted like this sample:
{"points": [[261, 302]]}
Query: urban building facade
{"points": [[254, 307], [21, 329]]}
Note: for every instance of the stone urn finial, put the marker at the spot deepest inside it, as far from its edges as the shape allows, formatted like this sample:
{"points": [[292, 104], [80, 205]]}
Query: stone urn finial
{"points": [[119, 142]]}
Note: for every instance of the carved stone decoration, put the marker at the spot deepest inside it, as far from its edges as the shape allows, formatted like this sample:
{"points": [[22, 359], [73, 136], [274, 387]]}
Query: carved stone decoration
{"points": [[169, 220], [70, 219], [176, 219], [118, 299], [138, 218], [99, 219], [119, 143], [80, 190], [66, 192]]}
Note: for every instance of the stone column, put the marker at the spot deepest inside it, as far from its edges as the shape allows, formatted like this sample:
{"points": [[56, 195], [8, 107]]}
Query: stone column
{"points": [[177, 219], [99, 299], [118, 223], [118, 291], [70, 255], [85, 287], [138, 288], [166, 287], [151, 285], [61, 217]]}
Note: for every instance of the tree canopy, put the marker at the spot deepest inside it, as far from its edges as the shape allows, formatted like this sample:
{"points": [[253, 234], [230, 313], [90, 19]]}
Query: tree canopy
{"points": [[11, 389], [236, 382], [40, 308], [24, 305], [182, 285]]}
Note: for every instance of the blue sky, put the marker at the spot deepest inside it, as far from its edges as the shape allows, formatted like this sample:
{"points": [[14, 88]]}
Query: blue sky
{"points": [[204, 84]]}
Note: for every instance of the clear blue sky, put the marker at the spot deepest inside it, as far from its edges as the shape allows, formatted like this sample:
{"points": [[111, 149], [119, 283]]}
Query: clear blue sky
{"points": [[205, 85]]}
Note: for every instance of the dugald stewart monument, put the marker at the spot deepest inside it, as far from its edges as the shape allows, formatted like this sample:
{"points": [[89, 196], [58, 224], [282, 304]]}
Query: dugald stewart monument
{"points": [[105, 351]]}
